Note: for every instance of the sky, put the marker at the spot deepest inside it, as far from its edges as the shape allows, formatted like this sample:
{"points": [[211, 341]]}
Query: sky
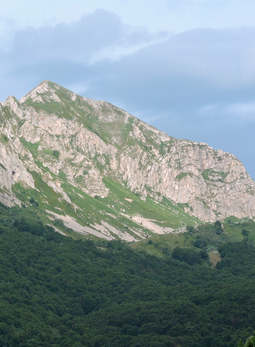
{"points": [[186, 67]]}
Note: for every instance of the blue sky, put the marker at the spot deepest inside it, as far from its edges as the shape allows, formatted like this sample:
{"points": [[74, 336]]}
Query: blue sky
{"points": [[185, 66]]}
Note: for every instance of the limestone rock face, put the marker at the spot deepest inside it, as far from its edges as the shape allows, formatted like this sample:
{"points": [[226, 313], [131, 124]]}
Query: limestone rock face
{"points": [[53, 132]]}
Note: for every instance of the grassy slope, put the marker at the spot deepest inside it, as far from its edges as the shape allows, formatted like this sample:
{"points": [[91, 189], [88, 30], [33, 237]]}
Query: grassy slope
{"points": [[233, 231], [112, 209]]}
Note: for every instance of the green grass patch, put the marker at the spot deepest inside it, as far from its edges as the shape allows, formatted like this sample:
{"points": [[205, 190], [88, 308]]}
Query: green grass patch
{"points": [[3, 167], [4, 138], [214, 175], [46, 197], [182, 175], [53, 153], [32, 147], [47, 151], [166, 212]]}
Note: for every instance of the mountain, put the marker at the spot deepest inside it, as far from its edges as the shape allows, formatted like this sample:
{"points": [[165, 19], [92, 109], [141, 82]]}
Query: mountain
{"points": [[89, 166]]}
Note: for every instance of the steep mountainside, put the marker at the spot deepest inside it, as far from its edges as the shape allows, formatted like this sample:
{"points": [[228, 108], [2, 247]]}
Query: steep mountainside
{"points": [[115, 175]]}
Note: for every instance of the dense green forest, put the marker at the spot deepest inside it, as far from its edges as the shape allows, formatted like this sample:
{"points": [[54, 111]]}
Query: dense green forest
{"points": [[56, 291]]}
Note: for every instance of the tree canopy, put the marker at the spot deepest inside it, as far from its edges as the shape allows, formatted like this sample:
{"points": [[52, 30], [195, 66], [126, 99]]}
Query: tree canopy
{"points": [[56, 291]]}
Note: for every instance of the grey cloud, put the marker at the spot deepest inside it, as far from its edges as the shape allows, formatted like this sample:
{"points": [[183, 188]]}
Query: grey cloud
{"points": [[189, 71], [224, 57], [81, 41], [193, 85], [173, 84]]}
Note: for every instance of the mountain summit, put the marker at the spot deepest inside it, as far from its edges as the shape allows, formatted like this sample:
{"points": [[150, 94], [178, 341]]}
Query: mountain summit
{"points": [[104, 172]]}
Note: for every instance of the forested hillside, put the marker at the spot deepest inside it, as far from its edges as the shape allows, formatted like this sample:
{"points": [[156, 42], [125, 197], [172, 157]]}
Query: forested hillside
{"points": [[56, 291]]}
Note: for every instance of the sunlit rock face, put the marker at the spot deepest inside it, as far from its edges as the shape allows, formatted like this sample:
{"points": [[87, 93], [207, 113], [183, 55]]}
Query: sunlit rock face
{"points": [[87, 140]]}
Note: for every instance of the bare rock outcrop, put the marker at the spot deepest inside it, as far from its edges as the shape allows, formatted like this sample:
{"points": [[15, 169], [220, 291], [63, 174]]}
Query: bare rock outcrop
{"points": [[88, 140]]}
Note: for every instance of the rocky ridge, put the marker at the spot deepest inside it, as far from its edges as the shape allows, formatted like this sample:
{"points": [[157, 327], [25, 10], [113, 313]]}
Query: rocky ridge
{"points": [[66, 138]]}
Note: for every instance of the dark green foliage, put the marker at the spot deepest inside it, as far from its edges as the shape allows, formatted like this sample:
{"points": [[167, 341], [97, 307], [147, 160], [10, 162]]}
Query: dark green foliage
{"points": [[208, 235], [249, 343], [237, 258], [230, 223], [200, 243], [187, 255], [55, 291], [218, 227], [190, 228], [33, 202], [245, 232], [56, 153], [217, 224], [203, 254]]}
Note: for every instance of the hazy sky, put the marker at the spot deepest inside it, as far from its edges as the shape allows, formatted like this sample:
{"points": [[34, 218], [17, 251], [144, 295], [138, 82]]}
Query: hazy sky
{"points": [[184, 66]]}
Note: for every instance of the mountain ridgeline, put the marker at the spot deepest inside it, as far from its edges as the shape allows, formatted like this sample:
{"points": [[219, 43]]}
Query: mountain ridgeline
{"points": [[105, 173]]}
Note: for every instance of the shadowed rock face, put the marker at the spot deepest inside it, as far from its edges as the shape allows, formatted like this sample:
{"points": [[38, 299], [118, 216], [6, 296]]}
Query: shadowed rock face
{"points": [[88, 140]]}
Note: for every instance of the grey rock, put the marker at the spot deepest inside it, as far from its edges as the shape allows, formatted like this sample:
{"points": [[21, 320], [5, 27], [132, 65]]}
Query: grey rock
{"points": [[88, 140]]}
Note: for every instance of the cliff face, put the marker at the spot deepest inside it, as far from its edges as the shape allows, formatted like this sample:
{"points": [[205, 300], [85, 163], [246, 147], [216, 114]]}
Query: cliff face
{"points": [[55, 133]]}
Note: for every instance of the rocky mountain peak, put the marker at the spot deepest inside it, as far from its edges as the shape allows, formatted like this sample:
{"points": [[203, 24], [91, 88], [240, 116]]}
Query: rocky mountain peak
{"points": [[79, 149], [44, 92]]}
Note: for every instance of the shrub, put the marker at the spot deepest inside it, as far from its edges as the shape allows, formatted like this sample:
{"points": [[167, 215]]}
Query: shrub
{"points": [[56, 153]]}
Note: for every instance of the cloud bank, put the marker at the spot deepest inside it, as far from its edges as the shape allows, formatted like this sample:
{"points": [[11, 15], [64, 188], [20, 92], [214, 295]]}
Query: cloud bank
{"points": [[199, 84]]}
